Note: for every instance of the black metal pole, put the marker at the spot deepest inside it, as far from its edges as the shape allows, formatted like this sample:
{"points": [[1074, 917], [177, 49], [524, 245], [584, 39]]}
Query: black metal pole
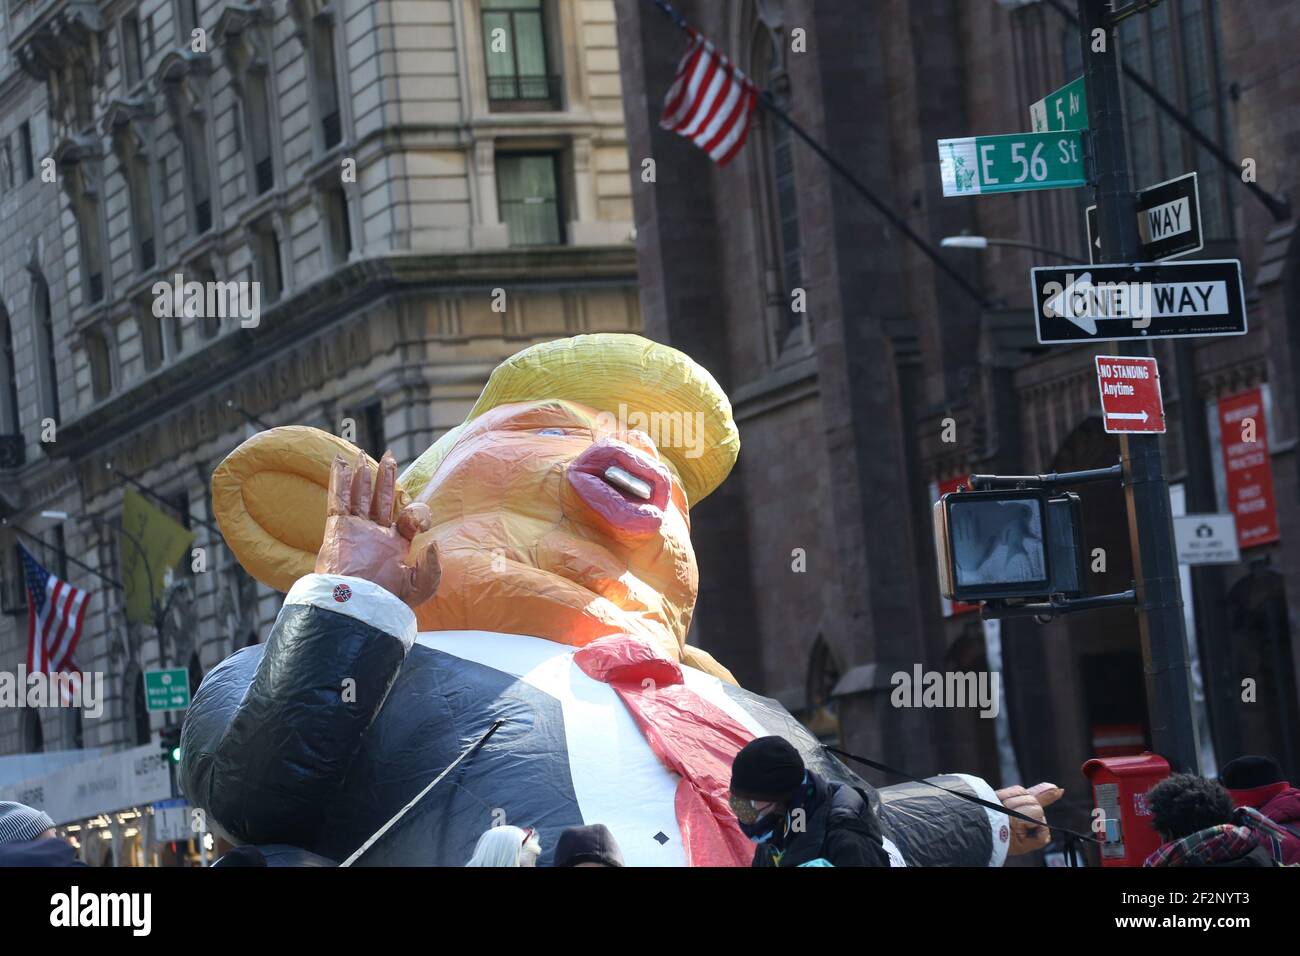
{"points": [[898, 222], [67, 557], [1150, 518], [146, 490]]}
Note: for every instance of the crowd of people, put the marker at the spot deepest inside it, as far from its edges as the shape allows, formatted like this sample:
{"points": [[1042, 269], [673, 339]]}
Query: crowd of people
{"points": [[1249, 816]]}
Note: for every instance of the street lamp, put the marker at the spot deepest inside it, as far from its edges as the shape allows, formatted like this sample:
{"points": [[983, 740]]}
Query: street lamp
{"points": [[983, 242]]}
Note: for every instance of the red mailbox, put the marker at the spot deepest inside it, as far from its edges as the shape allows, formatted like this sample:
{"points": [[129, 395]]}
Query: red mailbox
{"points": [[1119, 790]]}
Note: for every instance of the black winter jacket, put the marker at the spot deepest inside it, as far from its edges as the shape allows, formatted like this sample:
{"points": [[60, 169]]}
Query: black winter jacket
{"points": [[830, 821]]}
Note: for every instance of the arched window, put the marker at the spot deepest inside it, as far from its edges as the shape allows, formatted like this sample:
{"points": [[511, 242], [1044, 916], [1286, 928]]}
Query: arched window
{"points": [[245, 37], [48, 366], [134, 163], [185, 92], [823, 674], [9, 421], [79, 174], [325, 83]]}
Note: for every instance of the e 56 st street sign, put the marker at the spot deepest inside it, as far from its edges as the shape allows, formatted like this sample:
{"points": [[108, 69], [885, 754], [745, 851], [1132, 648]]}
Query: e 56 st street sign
{"points": [[1067, 108], [1168, 220], [978, 165], [1138, 300]]}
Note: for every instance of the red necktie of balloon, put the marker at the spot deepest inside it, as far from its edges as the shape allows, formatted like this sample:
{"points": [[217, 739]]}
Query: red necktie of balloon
{"points": [[692, 737]]}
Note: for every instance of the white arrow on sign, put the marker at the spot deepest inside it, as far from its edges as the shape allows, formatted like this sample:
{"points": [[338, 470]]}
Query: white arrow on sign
{"points": [[1130, 416], [1085, 304], [1060, 304]]}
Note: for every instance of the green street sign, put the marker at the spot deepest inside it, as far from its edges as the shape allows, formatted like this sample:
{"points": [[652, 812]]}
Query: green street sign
{"points": [[1067, 108], [167, 689], [976, 165]]}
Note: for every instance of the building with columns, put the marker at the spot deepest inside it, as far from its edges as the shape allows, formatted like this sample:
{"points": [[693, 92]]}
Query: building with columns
{"points": [[419, 189]]}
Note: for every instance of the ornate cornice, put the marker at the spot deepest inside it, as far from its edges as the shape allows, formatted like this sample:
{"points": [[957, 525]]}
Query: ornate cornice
{"points": [[44, 46]]}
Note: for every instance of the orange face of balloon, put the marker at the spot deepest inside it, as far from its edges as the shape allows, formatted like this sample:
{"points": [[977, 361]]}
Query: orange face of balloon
{"points": [[553, 523]]}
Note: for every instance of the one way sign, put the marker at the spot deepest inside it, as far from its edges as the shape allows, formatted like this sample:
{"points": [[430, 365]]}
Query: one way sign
{"points": [[1138, 300], [1168, 220]]}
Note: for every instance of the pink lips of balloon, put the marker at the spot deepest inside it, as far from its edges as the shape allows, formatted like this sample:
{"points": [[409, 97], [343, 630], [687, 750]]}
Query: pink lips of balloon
{"points": [[625, 513]]}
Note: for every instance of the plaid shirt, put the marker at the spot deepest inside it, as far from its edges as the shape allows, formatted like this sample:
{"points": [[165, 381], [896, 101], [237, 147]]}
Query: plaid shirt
{"points": [[1218, 844]]}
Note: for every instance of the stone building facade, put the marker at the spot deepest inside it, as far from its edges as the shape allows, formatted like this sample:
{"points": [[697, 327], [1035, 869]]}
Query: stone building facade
{"points": [[419, 189], [842, 408]]}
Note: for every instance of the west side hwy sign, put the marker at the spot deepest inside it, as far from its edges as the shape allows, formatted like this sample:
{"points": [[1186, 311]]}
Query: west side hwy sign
{"points": [[1138, 301]]}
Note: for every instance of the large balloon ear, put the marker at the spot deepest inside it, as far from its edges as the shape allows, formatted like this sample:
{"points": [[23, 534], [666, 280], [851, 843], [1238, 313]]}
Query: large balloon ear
{"points": [[269, 499]]}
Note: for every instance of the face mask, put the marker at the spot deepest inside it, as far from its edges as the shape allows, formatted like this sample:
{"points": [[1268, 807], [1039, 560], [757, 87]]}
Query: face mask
{"points": [[761, 830]]}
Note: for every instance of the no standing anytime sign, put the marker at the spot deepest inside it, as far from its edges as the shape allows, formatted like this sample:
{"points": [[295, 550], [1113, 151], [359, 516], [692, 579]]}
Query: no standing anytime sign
{"points": [[1130, 394]]}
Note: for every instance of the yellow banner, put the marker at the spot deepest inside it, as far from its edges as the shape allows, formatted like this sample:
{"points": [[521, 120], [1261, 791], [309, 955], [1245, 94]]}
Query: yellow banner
{"points": [[151, 545]]}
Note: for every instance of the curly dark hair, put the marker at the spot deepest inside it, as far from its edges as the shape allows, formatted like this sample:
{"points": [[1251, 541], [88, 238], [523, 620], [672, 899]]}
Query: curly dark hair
{"points": [[1184, 803]]}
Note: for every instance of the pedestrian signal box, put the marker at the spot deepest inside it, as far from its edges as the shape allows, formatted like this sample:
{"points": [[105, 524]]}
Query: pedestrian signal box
{"points": [[1022, 543]]}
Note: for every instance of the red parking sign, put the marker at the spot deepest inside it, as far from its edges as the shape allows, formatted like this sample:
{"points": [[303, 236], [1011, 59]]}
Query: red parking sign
{"points": [[1130, 394]]}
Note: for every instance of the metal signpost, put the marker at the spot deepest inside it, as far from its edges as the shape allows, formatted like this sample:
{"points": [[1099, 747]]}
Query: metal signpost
{"points": [[1155, 562]]}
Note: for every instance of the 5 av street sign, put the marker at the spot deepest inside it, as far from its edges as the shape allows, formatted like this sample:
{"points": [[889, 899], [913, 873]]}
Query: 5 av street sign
{"points": [[976, 165], [1138, 300], [1168, 220], [1067, 108]]}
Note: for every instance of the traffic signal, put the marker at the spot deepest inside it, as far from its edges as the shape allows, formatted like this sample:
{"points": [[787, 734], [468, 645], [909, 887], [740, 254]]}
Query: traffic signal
{"points": [[170, 741]]}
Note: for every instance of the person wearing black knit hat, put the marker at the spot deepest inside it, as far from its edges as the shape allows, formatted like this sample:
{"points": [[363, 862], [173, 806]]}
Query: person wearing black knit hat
{"points": [[795, 817], [1258, 782]]}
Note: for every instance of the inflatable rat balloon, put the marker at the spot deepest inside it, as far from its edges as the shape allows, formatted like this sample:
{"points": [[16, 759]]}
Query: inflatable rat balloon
{"points": [[532, 570]]}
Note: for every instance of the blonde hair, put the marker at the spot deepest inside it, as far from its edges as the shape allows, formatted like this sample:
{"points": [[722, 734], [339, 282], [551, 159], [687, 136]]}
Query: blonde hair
{"points": [[506, 846]]}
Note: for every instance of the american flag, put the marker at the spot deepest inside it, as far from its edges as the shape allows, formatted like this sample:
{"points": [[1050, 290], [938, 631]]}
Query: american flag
{"points": [[711, 101], [55, 611]]}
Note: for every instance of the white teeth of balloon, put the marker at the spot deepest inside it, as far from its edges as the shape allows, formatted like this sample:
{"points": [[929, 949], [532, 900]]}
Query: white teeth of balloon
{"points": [[630, 483]]}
